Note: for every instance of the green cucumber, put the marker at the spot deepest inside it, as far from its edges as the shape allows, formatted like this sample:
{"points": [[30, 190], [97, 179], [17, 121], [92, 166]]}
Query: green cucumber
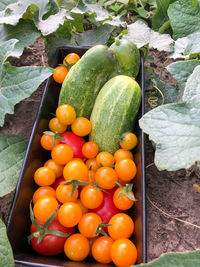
{"points": [[127, 56], [114, 112], [84, 80]]}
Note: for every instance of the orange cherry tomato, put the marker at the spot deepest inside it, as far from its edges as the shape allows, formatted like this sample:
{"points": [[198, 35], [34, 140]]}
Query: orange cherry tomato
{"points": [[122, 154], [92, 164], [60, 73], [106, 177], [69, 214], [81, 126], [62, 154], [57, 168], [91, 177], [123, 253], [88, 224], [77, 247], [44, 208], [91, 197], [129, 141], [101, 249], [123, 202], [57, 127], [66, 114], [105, 159], [125, 169], [44, 176], [64, 193], [83, 208], [71, 58], [43, 191], [90, 150], [46, 142], [122, 226], [75, 170]]}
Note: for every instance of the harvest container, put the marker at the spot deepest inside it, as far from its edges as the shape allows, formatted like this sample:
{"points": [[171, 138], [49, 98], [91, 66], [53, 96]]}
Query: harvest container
{"points": [[18, 226]]}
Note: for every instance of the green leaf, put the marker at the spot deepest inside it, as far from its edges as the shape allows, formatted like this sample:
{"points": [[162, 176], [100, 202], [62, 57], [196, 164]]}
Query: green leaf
{"points": [[181, 70], [175, 259], [24, 32], [68, 4], [6, 49], [184, 17], [6, 254], [187, 47], [142, 35], [12, 152], [5, 3], [96, 36], [17, 83]]}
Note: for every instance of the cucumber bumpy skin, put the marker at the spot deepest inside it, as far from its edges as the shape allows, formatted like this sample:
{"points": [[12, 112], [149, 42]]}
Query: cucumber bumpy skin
{"points": [[114, 112], [84, 80]]}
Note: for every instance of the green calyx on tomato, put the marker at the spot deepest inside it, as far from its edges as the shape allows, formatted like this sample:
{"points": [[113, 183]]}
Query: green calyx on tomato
{"points": [[95, 185], [75, 184], [56, 136], [127, 190], [100, 230], [42, 230]]}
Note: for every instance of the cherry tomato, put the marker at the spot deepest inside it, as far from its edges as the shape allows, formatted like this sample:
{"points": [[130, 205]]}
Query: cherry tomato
{"points": [[122, 202], [60, 73], [64, 193], [69, 214], [123, 253], [66, 114], [92, 164], [77, 247], [105, 159], [91, 197], [83, 208], [125, 169], [57, 127], [91, 177], [90, 150], [129, 141], [71, 58], [44, 208], [50, 244], [106, 177], [107, 209], [44, 176], [101, 249], [88, 224], [81, 126], [43, 191], [57, 182], [57, 168], [75, 142], [123, 154], [122, 226], [62, 154], [75, 170], [47, 142]]}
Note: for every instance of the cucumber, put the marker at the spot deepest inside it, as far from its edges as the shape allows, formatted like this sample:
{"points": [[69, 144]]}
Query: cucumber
{"points": [[114, 112], [127, 56], [85, 79]]}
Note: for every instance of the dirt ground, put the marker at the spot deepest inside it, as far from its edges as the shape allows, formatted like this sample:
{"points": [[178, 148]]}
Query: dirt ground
{"points": [[169, 195]]}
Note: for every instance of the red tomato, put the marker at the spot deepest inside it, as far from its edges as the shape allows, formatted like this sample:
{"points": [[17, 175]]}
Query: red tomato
{"points": [[75, 142], [107, 209], [50, 244], [57, 182]]}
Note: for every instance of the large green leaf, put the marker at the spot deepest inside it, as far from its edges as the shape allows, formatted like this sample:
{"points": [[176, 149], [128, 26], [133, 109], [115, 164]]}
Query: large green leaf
{"points": [[187, 47], [99, 35], [184, 17], [6, 49], [175, 128], [68, 4], [142, 35], [24, 32], [181, 70], [175, 259], [12, 152], [6, 254]]}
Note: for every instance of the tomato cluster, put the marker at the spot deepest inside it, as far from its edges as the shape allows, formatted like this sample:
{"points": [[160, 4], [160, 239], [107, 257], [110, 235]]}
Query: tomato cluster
{"points": [[83, 195]]}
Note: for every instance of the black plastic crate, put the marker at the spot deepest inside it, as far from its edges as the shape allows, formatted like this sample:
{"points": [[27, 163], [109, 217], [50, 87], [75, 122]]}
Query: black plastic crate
{"points": [[18, 226]]}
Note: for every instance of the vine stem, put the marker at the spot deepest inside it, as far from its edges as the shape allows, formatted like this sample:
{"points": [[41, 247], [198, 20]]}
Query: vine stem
{"points": [[164, 27], [171, 216]]}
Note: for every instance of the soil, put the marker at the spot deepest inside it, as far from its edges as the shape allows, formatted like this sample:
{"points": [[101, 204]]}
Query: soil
{"points": [[169, 194]]}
